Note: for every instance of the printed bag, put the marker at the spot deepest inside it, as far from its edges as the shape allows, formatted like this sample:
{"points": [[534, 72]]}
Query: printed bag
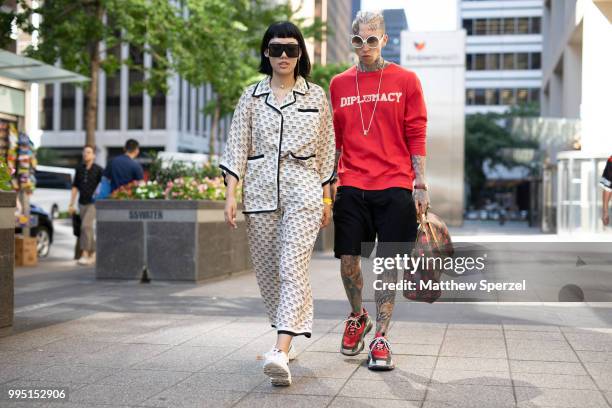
{"points": [[433, 240]]}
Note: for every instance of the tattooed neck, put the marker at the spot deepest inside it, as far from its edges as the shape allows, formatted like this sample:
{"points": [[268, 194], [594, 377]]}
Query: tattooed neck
{"points": [[380, 63]]}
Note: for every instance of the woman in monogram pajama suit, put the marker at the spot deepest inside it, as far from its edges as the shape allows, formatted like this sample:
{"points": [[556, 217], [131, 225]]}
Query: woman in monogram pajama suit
{"points": [[281, 142]]}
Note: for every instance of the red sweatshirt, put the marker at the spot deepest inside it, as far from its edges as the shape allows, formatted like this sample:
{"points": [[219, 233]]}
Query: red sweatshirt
{"points": [[381, 159]]}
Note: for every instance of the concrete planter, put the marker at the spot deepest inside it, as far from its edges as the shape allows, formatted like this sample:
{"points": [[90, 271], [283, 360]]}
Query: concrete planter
{"points": [[7, 260], [173, 240]]}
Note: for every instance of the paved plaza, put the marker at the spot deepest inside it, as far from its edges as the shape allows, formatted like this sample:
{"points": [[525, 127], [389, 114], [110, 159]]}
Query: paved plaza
{"points": [[127, 344]]}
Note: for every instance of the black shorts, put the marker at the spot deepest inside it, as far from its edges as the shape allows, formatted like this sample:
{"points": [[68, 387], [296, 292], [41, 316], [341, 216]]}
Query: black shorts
{"points": [[361, 216]]}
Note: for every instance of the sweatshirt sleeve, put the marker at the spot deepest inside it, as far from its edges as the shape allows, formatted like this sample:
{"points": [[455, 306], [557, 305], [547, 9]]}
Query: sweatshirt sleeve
{"points": [[326, 147], [415, 118], [234, 159]]}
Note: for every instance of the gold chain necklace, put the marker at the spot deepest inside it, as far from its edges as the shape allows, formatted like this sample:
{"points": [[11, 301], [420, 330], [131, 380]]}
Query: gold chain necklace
{"points": [[365, 131]]}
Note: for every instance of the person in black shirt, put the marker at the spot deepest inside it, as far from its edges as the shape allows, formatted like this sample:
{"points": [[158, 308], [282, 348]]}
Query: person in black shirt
{"points": [[86, 179], [606, 184]]}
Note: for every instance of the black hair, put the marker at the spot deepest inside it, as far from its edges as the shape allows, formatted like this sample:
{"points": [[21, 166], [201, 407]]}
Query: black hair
{"points": [[285, 29], [92, 147], [131, 145]]}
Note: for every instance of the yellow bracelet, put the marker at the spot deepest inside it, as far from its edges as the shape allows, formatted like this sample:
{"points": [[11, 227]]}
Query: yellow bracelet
{"points": [[327, 200]]}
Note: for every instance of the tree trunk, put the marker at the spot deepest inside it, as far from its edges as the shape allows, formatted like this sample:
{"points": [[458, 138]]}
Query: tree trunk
{"points": [[92, 94], [214, 130]]}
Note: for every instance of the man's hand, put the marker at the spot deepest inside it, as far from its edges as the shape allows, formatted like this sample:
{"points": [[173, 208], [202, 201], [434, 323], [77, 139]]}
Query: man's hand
{"points": [[327, 215], [421, 200], [333, 187], [71, 209], [606, 219], [230, 211]]}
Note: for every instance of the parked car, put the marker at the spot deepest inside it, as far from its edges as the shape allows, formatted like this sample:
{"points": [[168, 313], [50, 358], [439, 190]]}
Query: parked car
{"points": [[42, 230], [52, 192]]}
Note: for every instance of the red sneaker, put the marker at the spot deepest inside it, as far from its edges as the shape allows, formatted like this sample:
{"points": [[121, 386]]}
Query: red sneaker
{"points": [[379, 357], [357, 326]]}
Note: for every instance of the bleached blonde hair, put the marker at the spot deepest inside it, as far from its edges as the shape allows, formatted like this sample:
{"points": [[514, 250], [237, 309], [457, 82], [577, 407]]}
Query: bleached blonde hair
{"points": [[374, 18]]}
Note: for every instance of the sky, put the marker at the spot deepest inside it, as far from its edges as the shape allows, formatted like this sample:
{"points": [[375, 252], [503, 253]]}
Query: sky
{"points": [[422, 15]]}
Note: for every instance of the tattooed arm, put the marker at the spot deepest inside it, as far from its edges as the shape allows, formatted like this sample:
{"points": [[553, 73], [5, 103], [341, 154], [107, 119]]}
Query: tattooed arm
{"points": [[421, 197]]}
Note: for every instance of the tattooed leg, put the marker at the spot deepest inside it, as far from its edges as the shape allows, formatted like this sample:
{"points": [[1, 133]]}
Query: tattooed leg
{"points": [[385, 301], [350, 269]]}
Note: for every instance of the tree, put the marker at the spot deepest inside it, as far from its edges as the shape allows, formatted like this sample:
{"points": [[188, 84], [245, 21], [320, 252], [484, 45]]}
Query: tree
{"points": [[73, 32], [485, 141], [323, 74], [219, 45]]}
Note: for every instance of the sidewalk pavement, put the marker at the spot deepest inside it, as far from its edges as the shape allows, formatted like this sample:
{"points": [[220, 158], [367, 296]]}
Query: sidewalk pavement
{"points": [[126, 344]]}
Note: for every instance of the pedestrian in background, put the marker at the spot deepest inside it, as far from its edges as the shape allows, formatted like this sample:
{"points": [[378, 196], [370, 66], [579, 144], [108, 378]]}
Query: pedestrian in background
{"points": [[124, 169], [606, 185], [87, 177], [282, 142]]}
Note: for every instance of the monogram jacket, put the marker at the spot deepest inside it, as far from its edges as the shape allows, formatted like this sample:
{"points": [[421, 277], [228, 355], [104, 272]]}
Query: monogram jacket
{"points": [[263, 132]]}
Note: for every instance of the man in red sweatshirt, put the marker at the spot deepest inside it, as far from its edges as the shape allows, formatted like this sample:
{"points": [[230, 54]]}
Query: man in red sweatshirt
{"points": [[380, 122]]}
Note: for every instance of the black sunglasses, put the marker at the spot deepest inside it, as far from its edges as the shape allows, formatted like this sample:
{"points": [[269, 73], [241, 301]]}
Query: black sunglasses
{"points": [[276, 50]]}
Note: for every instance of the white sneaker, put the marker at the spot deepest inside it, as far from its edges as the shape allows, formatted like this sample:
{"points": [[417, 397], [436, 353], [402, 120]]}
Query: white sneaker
{"points": [[276, 366], [292, 354], [83, 261]]}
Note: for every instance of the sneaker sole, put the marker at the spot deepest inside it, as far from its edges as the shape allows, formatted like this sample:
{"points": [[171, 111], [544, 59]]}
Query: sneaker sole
{"points": [[381, 367], [352, 352], [278, 375]]}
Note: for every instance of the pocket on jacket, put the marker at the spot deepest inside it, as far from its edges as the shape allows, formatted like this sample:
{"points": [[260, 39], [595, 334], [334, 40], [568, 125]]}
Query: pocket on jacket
{"points": [[307, 157], [256, 157]]}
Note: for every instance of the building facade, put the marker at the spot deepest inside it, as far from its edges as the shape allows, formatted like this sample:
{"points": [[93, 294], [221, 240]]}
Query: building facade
{"points": [[395, 22], [503, 54], [577, 82], [172, 122], [339, 20]]}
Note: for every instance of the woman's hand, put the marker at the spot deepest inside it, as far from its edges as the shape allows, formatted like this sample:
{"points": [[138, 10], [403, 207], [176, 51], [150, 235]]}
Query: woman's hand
{"points": [[327, 215], [230, 211]]}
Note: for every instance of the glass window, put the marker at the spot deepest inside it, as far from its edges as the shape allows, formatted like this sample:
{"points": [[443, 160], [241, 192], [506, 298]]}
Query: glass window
{"points": [[493, 62], [480, 62], [534, 95], [68, 107], [180, 104], [492, 96], [522, 60], [522, 95], [522, 26], [468, 61], [136, 100], [467, 25], [470, 96], [158, 111], [536, 25], [197, 110], [508, 61], [85, 105], [494, 26], [480, 26], [536, 60], [46, 117], [188, 96], [507, 97], [113, 95], [509, 26], [480, 97]]}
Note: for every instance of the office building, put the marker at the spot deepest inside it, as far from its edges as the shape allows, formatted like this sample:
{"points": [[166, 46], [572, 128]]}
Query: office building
{"points": [[395, 22], [503, 54], [577, 83]]}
